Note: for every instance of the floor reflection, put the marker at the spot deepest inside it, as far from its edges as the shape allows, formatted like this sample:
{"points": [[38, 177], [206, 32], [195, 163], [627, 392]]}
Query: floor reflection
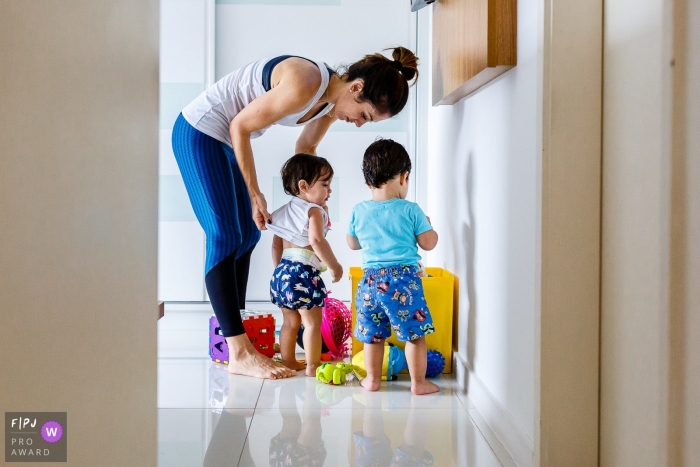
{"points": [[227, 445], [300, 441], [208, 417], [373, 446]]}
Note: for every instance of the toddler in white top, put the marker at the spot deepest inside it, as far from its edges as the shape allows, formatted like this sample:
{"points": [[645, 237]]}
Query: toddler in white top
{"points": [[298, 248]]}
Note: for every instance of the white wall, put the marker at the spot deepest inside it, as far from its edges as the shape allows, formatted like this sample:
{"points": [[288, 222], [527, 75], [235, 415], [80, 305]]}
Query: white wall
{"points": [[484, 155], [248, 30], [78, 235]]}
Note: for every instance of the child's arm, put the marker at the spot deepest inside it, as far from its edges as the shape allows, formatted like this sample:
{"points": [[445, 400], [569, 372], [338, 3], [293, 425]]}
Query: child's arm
{"points": [[353, 242], [428, 239], [276, 250], [321, 246]]}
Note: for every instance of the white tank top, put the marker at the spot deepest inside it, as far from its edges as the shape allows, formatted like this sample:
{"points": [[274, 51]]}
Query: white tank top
{"points": [[291, 221], [213, 110]]}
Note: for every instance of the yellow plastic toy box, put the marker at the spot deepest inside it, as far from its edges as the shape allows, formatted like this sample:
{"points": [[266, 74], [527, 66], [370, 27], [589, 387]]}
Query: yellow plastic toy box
{"points": [[439, 294]]}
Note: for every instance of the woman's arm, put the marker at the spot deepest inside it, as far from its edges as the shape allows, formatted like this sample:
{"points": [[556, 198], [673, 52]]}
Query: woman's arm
{"points": [[312, 134], [321, 246], [290, 95]]}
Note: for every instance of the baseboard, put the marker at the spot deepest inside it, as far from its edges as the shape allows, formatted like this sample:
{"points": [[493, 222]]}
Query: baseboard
{"points": [[519, 446], [264, 306]]}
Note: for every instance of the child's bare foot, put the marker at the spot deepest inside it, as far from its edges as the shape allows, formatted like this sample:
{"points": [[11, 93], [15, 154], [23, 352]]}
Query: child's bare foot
{"points": [[424, 387], [311, 370], [370, 385], [295, 365]]}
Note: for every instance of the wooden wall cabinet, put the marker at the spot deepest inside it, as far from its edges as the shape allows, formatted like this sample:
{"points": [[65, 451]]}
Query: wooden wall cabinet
{"points": [[474, 41]]}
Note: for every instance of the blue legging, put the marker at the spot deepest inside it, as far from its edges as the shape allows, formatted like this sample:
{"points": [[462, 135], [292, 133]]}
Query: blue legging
{"points": [[220, 200]]}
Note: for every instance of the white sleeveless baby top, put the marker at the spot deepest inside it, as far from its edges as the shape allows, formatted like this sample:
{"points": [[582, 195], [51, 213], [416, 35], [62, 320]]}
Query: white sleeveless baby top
{"points": [[213, 110], [291, 221]]}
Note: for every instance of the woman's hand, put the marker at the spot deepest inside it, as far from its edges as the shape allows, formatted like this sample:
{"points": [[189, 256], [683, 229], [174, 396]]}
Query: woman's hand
{"points": [[260, 214]]}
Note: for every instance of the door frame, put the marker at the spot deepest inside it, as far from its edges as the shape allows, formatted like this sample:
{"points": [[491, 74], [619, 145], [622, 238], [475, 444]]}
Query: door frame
{"points": [[568, 367]]}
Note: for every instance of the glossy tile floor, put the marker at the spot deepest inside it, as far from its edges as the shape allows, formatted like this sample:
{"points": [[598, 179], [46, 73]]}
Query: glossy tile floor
{"points": [[209, 417]]}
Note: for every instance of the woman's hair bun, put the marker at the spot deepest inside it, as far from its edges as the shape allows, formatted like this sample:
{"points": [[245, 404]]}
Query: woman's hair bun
{"points": [[409, 62], [386, 80]]}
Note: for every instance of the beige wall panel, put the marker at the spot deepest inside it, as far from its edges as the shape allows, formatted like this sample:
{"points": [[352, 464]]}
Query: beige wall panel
{"points": [[78, 236], [635, 251], [571, 169], [684, 409], [691, 327]]}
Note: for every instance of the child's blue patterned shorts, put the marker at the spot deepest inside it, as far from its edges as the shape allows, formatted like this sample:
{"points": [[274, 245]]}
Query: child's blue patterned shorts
{"points": [[370, 452], [377, 452], [391, 298], [288, 451], [296, 283]]}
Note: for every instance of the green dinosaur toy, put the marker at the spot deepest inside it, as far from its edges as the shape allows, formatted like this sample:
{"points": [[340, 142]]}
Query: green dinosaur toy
{"points": [[335, 374]]}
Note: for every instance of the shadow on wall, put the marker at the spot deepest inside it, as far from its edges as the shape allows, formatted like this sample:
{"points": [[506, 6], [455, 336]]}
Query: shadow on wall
{"points": [[460, 234], [468, 240], [463, 245]]}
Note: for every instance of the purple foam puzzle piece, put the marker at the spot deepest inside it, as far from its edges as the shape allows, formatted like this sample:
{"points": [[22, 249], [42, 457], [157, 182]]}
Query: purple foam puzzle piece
{"points": [[218, 350]]}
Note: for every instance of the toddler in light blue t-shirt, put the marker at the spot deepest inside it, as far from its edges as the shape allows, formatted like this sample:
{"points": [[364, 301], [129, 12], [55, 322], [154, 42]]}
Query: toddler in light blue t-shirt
{"points": [[390, 295]]}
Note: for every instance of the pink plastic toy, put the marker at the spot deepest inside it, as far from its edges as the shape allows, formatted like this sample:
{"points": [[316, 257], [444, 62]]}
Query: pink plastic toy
{"points": [[336, 327]]}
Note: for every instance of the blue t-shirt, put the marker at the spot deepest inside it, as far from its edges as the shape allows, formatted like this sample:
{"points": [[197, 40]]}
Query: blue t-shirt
{"points": [[387, 231]]}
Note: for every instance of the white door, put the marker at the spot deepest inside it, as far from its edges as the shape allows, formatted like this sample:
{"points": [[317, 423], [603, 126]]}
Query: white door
{"points": [[183, 76]]}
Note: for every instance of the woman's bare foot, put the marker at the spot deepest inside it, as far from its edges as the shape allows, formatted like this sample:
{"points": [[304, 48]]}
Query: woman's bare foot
{"points": [[311, 370], [249, 362], [370, 385], [295, 365], [424, 387]]}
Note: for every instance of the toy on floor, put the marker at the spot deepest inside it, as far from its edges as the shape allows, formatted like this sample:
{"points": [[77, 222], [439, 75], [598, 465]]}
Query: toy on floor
{"points": [[259, 327], [436, 363], [300, 341], [394, 362], [334, 373], [336, 327]]}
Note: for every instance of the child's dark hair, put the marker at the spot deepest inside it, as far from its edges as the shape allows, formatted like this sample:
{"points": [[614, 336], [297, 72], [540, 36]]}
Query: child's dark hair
{"points": [[304, 167], [384, 159]]}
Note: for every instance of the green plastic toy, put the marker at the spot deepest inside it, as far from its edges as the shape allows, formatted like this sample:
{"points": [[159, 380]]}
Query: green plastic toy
{"points": [[333, 373]]}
